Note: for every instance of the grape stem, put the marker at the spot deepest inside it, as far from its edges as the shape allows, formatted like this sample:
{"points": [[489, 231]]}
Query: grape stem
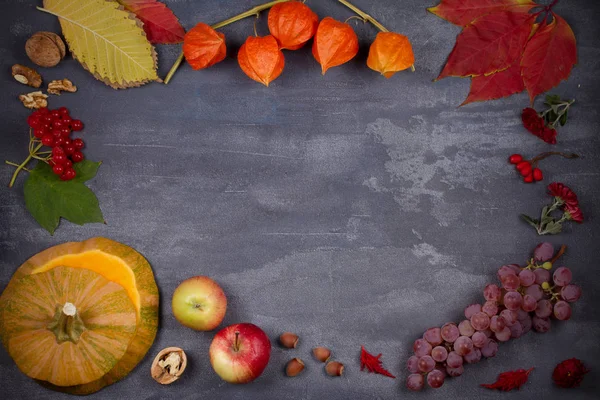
{"points": [[535, 160], [560, 252]]}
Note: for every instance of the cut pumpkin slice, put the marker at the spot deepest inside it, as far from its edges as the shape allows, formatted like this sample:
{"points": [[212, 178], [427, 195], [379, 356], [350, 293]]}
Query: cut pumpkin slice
{"points": [[118, 263]]}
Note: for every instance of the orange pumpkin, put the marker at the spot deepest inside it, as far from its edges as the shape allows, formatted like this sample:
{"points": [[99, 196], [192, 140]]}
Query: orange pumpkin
{"points": [[68, 326], [261, 59], [389, 53], [335, 43], [203, 46], [118, 263], [292, 24]]}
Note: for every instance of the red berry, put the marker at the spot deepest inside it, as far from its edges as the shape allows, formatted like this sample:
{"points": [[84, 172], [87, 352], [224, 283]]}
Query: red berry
{"points": [[56, 132], [515, 159], [47, 119], [59, 158], [68, 174], [523, 164], [77, 157], [55, 114], [65, 131], [76, 125], [526, 171], [528, 178], [537, 174], [69, 149], [58, 123], [59, 141], [43, 111], [33, 121], [68, 164], [40, 132], [66, 120], [58, 169], [57, 150], [78, 143], [48, 140], [63, 111], [66, 142]]}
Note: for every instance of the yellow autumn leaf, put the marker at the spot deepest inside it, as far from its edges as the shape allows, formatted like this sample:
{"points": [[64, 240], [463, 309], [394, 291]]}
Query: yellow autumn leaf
{"points": [[107, 40]]}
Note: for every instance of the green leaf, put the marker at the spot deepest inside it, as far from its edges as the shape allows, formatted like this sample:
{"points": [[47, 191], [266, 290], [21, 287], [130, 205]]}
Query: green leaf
{"points": [[552, 228], [48, 198], [552, 100], [530, 221]]}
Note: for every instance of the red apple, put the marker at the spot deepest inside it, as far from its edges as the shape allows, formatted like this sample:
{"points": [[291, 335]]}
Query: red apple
{"points": [[199, 303], [240, 353]]}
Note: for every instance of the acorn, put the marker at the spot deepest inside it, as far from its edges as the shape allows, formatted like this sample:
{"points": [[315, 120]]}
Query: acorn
{"points": [[322, 354], [334, 368], [294, 367], [288, 340]]}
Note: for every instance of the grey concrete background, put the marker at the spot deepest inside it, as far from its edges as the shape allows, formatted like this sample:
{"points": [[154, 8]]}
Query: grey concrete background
{"points": [[351, 209]]}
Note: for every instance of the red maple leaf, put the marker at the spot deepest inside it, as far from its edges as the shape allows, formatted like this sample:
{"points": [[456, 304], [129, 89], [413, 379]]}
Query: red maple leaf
{"points": [[491, 43], [461, 12], [495, 86], [510, 380], [373, 363], [160, 24]]}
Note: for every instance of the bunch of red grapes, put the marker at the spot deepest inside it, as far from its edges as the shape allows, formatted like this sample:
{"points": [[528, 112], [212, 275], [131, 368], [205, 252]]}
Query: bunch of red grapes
{"points": [[527, 298], [53, 128]]}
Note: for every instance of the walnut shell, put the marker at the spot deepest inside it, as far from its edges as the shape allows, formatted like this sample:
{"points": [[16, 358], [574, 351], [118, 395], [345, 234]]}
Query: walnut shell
{"points": [[45, 49], [168, 365]]}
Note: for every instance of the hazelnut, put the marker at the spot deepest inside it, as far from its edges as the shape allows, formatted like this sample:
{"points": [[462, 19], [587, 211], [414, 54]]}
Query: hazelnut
{"points": [[334, 368], [26, 75], [322, 353], [168, 365], [288, 340], [294, 367], [45, 49]]}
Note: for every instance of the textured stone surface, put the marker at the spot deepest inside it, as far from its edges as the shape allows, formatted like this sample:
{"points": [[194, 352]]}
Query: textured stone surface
{"points": [[351, 209]]}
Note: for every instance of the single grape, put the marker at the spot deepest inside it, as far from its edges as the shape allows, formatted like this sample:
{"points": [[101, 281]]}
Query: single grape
{"points": [[490, 349], [465, 328], [415, 382], [562, 276], [473, 357], [544, 309], [509, 316], [516, 331], [454, 372], [522, 314], [526, 323], [487, 332], [543, 252], [492, 292], [435, 379], [454, 360], [497, 323], [527, 277], [463, 345], [450, 332], [433, 336], [511, 282], [529, 303], [490, 308], [421, 347], [504, 271], [439, 353], [570, 293], [426, 364], [562, 310], [504, 334], [479, 339], [472, 309], [541, 276], [513, 300], [535, 291], [541, 325], [413, 364], [480, 321]]}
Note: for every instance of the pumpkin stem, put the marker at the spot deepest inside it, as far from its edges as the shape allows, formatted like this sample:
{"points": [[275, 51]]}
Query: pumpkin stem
{"points": [[253, 11], [67, 326]]}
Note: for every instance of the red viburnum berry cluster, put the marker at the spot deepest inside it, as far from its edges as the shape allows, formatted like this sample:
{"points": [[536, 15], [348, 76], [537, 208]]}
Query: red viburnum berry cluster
{"points": [[529, 168], [53, 128]]}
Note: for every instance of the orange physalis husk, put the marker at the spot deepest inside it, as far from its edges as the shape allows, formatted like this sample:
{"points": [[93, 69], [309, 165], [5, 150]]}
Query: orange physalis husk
{"points": [[203, 46], [335, 43], [293, 24], [390, 52], [261, 59]]}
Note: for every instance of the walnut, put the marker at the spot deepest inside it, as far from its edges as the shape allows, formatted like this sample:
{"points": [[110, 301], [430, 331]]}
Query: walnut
{"points": [[26, 75], [168, 365], [63, 85], [45, 49], [34, 100]]}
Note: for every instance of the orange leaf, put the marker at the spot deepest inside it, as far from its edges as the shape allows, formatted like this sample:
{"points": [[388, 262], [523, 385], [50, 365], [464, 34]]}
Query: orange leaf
{"points": [[203, 46], [491, 43], [461, 12], [160, 24], [549, 57], [335, 43], [501, 84], [292, 24], [261, 59], [389, 53]]}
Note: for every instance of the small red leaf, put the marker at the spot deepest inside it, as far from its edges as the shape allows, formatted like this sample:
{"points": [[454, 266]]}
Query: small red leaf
{"points": [[491, 43], [501, 84], [160, 24], [461, 12], [510, 380], [549, 57], [373, 363]]}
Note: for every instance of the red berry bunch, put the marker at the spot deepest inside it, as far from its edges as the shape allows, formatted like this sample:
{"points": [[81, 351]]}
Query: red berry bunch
{"points": [[53, 128], [529, 168]]}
